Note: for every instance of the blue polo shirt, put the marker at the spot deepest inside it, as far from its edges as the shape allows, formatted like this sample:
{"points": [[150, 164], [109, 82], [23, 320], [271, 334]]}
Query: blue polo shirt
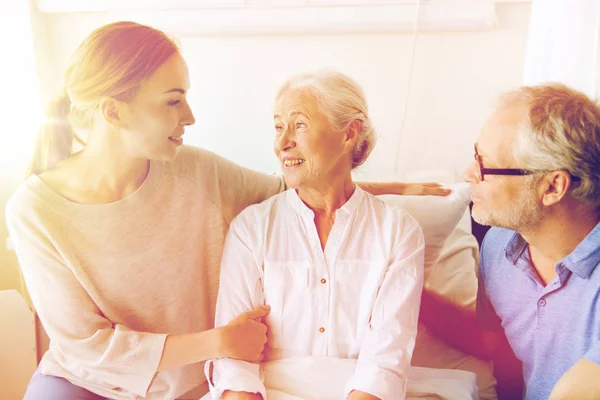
{"points": [[550, 327]]}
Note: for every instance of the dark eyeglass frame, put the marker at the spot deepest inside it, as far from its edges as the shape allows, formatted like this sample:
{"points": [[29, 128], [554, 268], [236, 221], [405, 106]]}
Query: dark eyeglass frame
{"points": [[503, 171]]}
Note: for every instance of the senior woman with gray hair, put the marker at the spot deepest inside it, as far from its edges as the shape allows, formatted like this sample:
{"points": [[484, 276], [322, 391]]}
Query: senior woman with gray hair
{"points": [[341, 270]]}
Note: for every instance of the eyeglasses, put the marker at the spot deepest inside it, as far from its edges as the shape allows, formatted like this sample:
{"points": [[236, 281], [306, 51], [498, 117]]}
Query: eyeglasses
{"points": [[497, 171], [482, 172]]}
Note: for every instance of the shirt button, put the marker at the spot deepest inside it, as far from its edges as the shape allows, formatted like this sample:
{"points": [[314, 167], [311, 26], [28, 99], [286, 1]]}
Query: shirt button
{"points": [[321, 329], [542, 302], [323, 280]]}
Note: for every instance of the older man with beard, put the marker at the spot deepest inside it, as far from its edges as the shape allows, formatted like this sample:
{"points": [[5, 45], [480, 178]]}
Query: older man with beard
{"points": [[536, 180]]}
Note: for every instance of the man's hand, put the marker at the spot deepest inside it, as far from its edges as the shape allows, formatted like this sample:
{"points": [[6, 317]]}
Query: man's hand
{"points": [[244, 337], [231, 395], [579, 382], [356, 395]]}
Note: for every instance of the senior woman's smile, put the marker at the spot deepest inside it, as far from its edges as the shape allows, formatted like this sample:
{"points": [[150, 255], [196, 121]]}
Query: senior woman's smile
{"points": [[311, 152], [290, 162]]}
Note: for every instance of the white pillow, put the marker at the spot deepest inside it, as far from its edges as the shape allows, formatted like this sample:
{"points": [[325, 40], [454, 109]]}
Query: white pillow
{"points": [[445, 177], [437, 215], [454, 275]]}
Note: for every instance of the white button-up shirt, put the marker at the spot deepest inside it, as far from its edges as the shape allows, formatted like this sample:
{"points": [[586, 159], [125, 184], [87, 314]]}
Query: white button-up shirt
{"points": [[358, 298]]}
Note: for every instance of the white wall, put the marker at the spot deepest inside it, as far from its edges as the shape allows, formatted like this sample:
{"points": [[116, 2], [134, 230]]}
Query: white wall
{"points": [[456, 77], [234, 79]]}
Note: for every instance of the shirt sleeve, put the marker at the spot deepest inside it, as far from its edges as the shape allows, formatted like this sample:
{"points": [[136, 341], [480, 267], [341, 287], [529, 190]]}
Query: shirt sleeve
{"points": [[593, 353], [386, 351], [486, 315], [83, 341], [240, 290]]}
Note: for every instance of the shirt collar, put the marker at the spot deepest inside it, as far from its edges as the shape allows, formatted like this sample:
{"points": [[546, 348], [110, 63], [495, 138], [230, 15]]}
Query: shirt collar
{"points": [[581, 261], [515, 248], [347, 209], [586, 255]]}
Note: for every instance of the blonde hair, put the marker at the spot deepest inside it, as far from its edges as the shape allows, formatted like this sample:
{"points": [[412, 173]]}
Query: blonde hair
{"points": [[562, 131], [113, 61], [342, 101]]}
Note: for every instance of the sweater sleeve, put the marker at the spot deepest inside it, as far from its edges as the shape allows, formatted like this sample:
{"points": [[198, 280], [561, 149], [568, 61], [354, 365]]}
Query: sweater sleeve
{"points": [[237, 187], [82, 339]]}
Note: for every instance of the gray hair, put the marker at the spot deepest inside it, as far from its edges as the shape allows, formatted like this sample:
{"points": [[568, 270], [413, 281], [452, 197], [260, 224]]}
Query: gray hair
{"points": [[342, 101], [562, 131]]}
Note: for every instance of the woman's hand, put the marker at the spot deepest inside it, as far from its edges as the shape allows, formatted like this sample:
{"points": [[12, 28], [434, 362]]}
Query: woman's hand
{"points": [[422, 189], [405, 188], [244, 338]]}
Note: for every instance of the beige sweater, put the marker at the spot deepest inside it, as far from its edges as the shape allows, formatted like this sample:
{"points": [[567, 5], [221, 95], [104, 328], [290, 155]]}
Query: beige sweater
{"points": [[110, 281]]}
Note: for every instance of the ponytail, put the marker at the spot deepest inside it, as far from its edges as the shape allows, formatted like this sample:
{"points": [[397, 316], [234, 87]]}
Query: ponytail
{"points": [[113, 61], [55, 138]]}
